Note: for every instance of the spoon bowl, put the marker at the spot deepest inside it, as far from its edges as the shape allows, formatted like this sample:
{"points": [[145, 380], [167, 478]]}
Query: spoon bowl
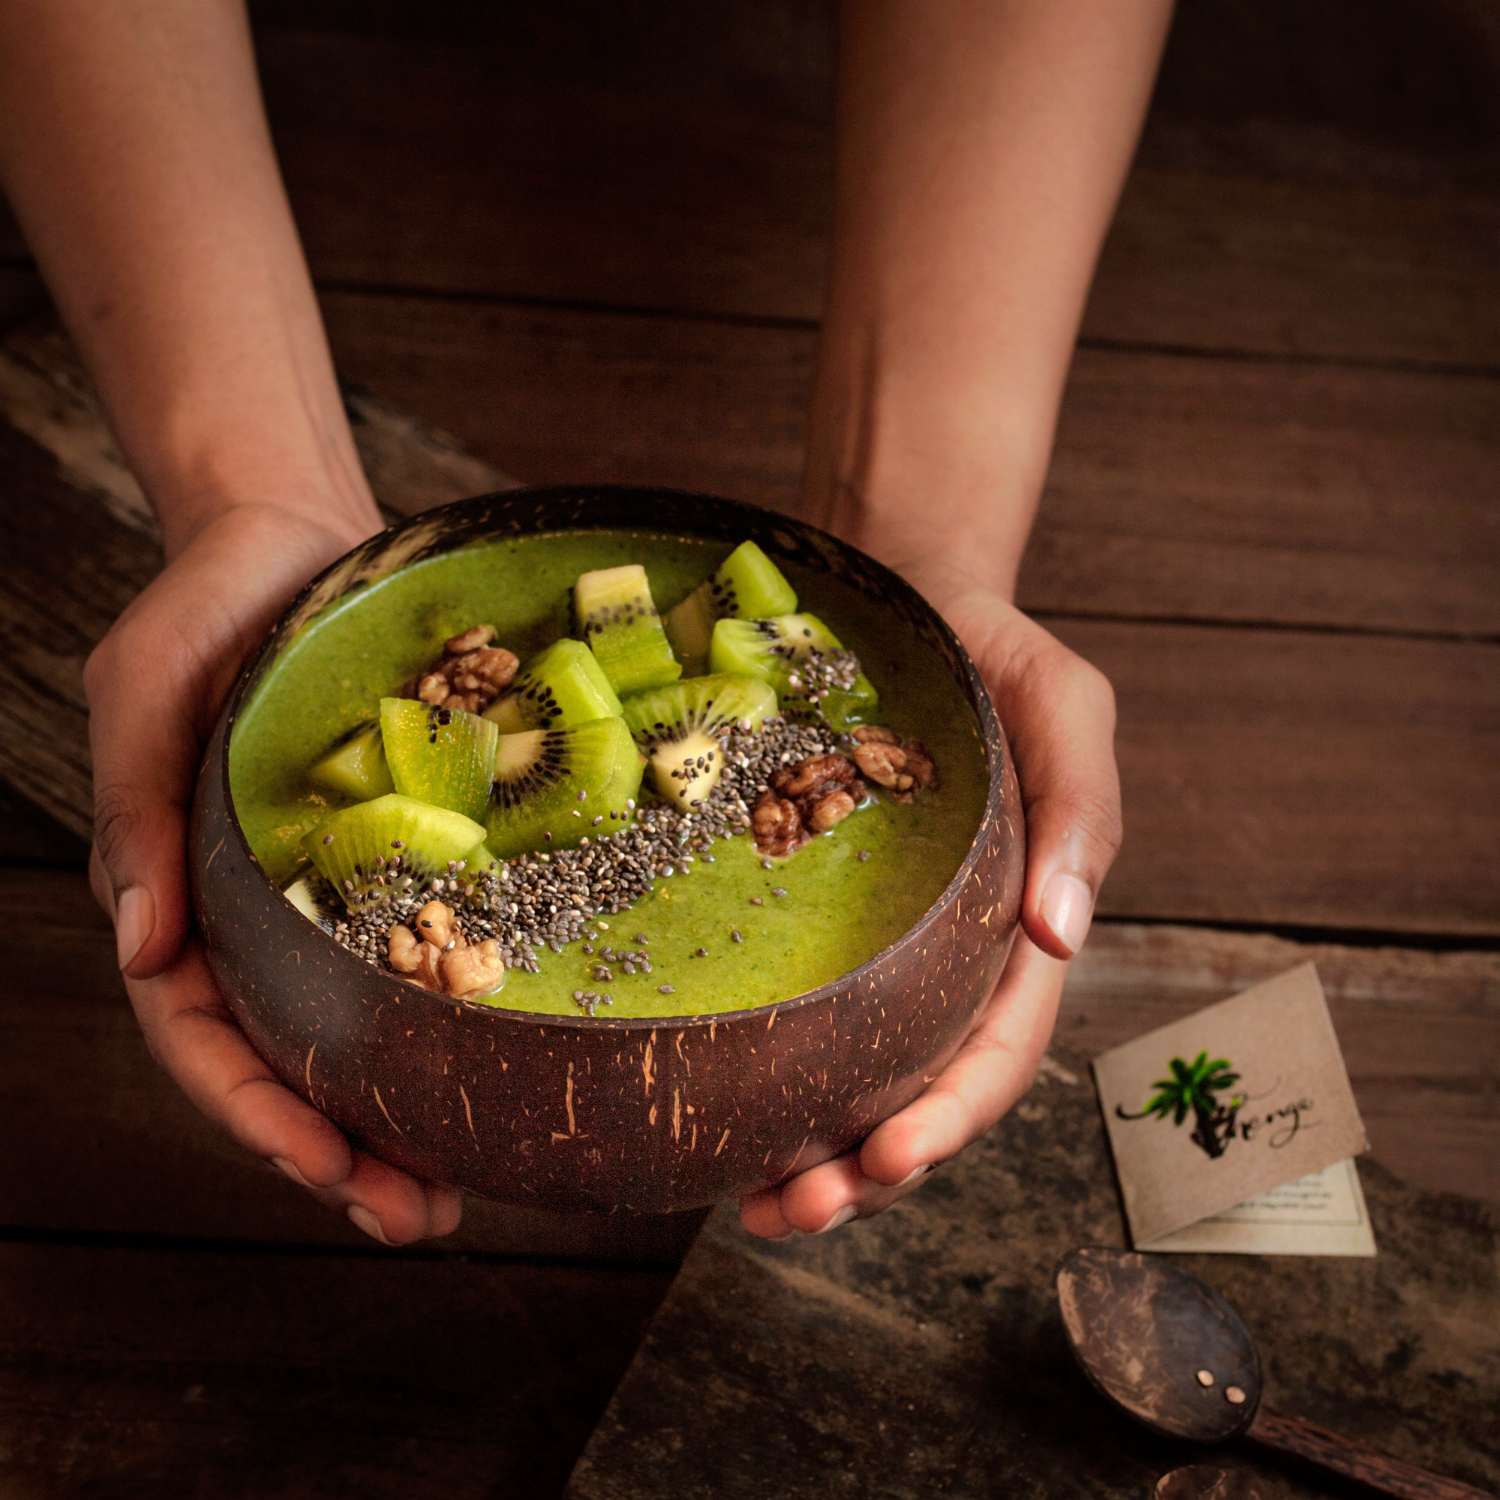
{"points": [[1160, 1343]]}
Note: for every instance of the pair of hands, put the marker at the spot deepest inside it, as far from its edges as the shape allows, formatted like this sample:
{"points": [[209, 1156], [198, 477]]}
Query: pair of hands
{"points": [[156, 684]]}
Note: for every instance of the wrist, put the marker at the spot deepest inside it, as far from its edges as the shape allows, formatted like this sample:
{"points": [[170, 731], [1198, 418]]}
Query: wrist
{"points": [[327, 504], [934, 467]]}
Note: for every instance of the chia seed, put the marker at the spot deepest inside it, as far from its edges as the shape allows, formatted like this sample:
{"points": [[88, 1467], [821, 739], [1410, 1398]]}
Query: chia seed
{"points": [[549, 899]]}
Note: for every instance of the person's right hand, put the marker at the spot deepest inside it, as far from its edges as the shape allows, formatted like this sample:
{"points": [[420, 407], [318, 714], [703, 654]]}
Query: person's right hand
{"points": [[155, 686]]}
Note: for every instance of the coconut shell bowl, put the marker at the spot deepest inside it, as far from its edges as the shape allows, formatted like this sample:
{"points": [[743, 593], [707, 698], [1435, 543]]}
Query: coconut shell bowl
{"points": [[608, 1113]]}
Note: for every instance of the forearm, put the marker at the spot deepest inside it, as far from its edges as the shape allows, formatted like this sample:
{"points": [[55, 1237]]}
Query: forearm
{"points": [[134, 150], [982, 145]]}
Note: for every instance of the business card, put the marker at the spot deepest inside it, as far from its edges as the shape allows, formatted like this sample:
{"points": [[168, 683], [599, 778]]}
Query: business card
{"points": [[1234, 1129]]}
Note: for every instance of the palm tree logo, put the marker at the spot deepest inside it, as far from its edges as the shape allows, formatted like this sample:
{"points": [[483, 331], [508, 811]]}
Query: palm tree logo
{"points": [[1195, 1088]]}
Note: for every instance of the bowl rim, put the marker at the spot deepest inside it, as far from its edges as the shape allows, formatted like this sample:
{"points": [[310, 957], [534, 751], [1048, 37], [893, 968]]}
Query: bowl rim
{"points": [[992, 739]]}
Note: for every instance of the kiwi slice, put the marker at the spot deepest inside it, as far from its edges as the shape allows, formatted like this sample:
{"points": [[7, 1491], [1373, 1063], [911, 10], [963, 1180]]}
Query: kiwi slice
{"points": [[389, 846], [311, 896], [679, 729], [439, 755], [746, 586], [559, 686], [618, 621], [796, 654], [551, 785], [356, 767]]}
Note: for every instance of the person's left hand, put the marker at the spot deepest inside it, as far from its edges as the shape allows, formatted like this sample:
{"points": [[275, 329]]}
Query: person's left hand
{"points": [[1058, 714]]}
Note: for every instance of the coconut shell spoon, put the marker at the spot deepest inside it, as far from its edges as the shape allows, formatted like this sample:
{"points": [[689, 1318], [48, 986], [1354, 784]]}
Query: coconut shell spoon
{"points": [[1172, 1353]]}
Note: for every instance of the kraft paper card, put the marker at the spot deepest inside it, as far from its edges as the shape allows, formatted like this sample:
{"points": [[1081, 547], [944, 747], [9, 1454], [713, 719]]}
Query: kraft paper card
{"points": [[1233, 1129]]}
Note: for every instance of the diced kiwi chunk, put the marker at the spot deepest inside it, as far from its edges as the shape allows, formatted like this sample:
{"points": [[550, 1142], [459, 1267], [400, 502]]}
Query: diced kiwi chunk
{"points": [[680, 728], [311, 896], [618, 621], [749, 586], [389, 847], [559, 686], [551, 785], [780, 651], [746, 586], [690, 630], [356, 767], [439, 755]]}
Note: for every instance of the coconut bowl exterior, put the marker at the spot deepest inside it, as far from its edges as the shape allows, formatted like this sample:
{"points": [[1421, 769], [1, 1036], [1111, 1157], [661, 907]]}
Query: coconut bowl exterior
{"points": [[604, 1113]]}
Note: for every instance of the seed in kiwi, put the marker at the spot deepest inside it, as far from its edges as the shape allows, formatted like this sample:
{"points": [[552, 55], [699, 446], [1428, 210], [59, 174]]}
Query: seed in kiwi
{"points": [[747, 585], [439, 755], [559, 686], [550, 785], [680, 729], [356, 767], [618, 621], [802, 659], [390, 847]]}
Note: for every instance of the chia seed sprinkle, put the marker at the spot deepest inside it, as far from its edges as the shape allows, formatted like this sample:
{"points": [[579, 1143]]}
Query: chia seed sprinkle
{"points": [[549, 899]]}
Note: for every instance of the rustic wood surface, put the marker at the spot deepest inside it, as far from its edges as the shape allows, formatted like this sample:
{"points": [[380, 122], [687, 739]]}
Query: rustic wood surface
{"points": [[921, 1352], [588, 242]]}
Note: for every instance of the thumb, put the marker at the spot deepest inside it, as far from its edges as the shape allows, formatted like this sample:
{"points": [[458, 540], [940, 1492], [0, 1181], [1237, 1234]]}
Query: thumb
{"points": [[145, 753], [1060, 714]]}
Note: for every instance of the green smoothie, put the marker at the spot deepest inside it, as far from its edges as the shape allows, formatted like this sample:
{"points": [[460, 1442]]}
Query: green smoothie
{"points": [[765, 934]]}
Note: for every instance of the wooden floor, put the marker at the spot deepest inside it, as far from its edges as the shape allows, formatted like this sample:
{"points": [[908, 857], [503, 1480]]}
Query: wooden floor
{"points": [[588, 241]]}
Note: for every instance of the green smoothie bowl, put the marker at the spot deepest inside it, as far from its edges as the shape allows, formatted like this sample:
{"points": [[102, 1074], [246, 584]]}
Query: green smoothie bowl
{"points": [[607, 848]]}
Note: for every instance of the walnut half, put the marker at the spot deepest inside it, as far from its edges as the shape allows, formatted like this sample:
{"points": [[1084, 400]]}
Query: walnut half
{"points": [[471, 674], [814, 795], [901, 766], [438, 957]]}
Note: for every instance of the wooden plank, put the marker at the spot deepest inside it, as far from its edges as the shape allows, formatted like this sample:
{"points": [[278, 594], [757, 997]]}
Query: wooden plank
{"points": [[1289, 778], [139, 1373], [1181, 488], [699, 180], [484, 179], [563, 396], [919, 1352], [1214, 260], [1222, 490]]}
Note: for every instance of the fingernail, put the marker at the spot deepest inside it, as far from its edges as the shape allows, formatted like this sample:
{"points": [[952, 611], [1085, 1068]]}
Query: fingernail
{"points": [[915, 1173], [289, 1169], [135, 916], [1067, 908], [776, 1239], [362, 1218], [843, 1216]]}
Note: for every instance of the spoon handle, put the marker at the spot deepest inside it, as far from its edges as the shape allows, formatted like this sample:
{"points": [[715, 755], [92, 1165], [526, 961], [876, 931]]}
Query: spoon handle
{"points": [[1355, 1460]]}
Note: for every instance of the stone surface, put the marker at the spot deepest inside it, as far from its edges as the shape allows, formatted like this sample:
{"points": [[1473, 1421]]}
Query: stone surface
{"points": [[921, 1352]]}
